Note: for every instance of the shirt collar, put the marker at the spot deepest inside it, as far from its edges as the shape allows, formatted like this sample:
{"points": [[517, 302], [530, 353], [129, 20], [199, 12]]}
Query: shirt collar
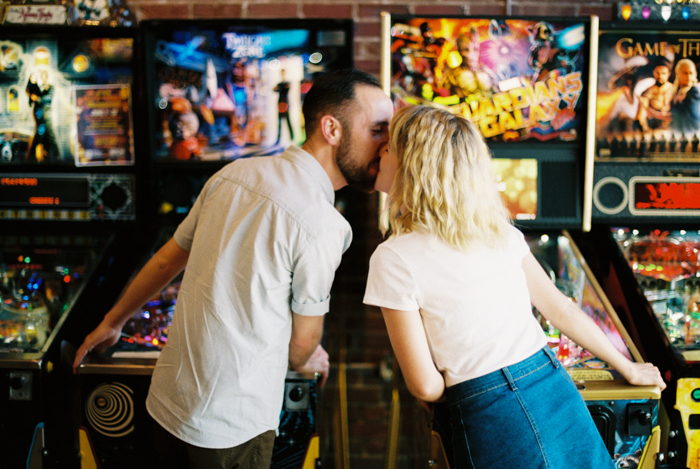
{"points": [[311, 165]]}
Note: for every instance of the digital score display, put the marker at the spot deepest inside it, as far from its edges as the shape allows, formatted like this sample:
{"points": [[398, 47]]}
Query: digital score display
{"points": [[44, 191], [72, 197], [664, 196]]}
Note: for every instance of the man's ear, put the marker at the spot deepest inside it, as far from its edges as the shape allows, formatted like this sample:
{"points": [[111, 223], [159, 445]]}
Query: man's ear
{"points": [[332, 130]]}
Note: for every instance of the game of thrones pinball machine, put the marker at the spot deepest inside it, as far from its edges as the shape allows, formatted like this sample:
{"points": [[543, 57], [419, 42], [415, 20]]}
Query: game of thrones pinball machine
{"points": [[645, 199], [527, 84]]}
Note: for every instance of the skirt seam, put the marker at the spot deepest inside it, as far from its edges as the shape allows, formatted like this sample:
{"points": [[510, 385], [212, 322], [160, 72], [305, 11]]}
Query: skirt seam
{"points": [[483, 391]]}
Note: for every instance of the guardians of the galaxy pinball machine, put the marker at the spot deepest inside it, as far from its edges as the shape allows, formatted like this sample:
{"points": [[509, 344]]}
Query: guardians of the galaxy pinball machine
{"points": [[516, 79], [523, 82]]}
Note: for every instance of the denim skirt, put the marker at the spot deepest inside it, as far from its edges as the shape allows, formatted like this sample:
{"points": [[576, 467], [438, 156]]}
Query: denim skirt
{"points": [[527, 416]]}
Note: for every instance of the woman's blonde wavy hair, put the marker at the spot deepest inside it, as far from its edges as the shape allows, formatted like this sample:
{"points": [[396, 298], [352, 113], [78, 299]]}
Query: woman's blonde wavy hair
{"points": [[444, 184]]}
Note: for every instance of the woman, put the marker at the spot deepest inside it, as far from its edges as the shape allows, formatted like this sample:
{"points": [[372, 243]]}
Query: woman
{"points": [[456, 283], [685, 105]]}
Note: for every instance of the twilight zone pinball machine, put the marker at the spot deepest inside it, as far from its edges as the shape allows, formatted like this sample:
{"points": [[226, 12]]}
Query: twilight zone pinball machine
{"points": [[217, 91], [68, 198], [527, 84], [645, 205], [116, 428]]}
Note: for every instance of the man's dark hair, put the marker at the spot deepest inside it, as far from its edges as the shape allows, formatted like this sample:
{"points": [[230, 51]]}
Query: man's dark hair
{"points": [[330, 94]]}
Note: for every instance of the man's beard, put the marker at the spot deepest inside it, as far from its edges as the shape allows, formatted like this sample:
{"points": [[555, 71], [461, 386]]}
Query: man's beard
{"points": [[355, 175]]}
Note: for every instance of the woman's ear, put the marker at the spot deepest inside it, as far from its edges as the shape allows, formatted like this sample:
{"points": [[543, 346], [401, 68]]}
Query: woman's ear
{"points": [[332, 130]]}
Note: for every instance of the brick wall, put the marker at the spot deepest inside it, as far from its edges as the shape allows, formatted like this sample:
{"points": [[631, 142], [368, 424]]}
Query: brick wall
{"points": [[351, 325]]}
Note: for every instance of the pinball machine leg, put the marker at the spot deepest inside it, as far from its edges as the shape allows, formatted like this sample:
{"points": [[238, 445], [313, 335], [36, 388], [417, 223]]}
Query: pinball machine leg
{"points": [[438, 457]]}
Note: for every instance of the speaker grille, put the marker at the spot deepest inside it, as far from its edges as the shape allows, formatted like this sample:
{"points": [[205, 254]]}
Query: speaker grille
{"points": [[558, 189]]}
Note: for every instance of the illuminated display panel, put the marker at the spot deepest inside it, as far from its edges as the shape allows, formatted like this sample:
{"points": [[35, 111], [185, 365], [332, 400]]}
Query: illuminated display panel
{"points": [[517, 182], [221, 90], [65, 97], [516, 79], [67, 197], [665, 196], [44, 190], [647, 94]]}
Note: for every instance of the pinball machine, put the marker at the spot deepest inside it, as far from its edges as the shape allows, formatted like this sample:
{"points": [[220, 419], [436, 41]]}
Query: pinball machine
{"points": [[68, 203], [216, 91], [528, 85], [116, 427], [644, 201]]}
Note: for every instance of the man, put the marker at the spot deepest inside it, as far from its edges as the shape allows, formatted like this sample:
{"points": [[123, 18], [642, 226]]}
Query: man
{"points": [[656, 101], [283, 107], [261, 246]]}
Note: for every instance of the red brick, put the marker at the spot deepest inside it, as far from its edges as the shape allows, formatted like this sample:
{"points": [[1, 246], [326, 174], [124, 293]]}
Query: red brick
{"points": [[545, 9], [324, 10], [358, 395], [272, 10], [368, 49], [212, 10], [374, 321], [374, 11], [368, 355], [363, 459], [372, 430], [364, 29], [363, 353], [446, 10], [368, 446], [369, 66], [375, 413], [605, 13], [365, 377], [487, 9], [169, 11], [377, 341]]}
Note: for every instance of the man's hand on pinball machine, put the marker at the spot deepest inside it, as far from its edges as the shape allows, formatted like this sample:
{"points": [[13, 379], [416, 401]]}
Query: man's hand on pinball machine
{"points": [[104, 336]]}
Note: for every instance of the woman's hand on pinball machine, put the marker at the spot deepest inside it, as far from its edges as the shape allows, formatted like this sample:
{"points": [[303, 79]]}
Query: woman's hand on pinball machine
{"points": [[104, 336], [643, 374]]}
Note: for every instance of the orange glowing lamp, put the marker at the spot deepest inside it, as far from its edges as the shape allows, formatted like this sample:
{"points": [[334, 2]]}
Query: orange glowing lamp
{"points": [[626, 11]]}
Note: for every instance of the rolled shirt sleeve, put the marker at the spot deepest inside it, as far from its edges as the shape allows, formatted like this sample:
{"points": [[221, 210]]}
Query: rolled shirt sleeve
{"points": [[315, 269]]}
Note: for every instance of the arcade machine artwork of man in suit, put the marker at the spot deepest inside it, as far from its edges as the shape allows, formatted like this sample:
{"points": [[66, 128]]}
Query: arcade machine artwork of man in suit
{"points": [[54, 111], [32, 91], [283, 107], [229, 95], [648, 102], [40, 93]]}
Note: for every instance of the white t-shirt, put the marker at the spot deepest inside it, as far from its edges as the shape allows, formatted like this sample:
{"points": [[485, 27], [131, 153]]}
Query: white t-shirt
{"points": [[475, 305], [264, 240]]}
